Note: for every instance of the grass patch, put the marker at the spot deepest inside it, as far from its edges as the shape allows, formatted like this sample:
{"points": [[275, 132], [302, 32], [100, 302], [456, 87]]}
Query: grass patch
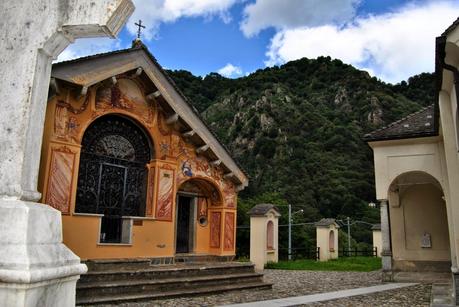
{"points": [[358, 264]]}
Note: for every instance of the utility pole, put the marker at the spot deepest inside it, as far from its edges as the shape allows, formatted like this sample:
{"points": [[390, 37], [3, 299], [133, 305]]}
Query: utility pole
{"points": [[289, 232], [348, 235]]}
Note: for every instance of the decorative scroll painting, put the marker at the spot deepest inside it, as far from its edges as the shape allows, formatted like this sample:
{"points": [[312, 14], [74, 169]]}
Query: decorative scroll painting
{"points": [[229, 231], [165, 195], [59, 191], [215, 226]]}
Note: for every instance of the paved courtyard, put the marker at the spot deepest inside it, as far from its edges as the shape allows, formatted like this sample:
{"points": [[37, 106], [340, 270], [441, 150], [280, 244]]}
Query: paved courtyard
{"points": [[297, 283]]}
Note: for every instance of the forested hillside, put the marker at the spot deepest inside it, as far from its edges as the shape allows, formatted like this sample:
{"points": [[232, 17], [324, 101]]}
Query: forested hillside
{"points": [[297, 129]]}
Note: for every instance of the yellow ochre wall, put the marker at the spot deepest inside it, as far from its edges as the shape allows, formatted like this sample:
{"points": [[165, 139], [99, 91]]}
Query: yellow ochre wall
{"points": [[67, 117]]}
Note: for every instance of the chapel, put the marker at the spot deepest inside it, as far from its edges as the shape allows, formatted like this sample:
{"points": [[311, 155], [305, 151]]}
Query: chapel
{"points": [[417, 177], [131, 165]]}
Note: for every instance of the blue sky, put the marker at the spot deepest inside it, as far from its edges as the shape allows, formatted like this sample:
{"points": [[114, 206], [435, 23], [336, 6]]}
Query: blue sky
{"points": [[391, 39]]}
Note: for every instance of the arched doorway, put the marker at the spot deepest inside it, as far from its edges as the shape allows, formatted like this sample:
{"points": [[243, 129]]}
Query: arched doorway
{"points": [[418, 224], [194, 199], [112, 177]]}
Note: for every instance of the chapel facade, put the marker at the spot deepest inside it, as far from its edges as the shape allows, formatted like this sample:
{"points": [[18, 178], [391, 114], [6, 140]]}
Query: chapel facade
{"points": [[130, 164], [417, 178]]}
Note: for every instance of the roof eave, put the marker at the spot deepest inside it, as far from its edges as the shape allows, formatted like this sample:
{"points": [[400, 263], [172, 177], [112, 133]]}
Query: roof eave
{"points": [[401, 137]]}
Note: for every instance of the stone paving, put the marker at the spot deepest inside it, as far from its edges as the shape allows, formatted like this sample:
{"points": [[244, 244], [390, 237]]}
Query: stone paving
{"points": [[296, 283]]}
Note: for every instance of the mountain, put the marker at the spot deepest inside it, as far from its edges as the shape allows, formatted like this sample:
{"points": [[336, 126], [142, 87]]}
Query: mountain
{"points": [[297, 128]]}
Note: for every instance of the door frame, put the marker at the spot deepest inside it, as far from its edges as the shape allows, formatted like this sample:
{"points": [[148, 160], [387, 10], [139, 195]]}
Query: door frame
{"points": [[192, 222]]}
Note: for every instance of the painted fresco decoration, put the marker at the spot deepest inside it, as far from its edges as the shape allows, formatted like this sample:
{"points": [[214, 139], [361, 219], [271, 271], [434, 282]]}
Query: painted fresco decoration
{"points": [[186, 169], [162, 126], [164, 149], [165, 193], [66, 127], [229, 231], [230, 194], [125, 95], [60, 179], [202, 207], [215, 226], [113, 175], [191, 186], [109, 97]]}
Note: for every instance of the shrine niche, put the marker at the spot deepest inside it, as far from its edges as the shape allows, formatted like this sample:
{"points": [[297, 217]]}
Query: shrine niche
{"points": [[129, 162]]}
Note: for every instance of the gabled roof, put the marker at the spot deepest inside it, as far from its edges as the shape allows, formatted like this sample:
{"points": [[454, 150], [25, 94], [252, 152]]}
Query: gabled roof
{"points": [[451, 27], [326, 223], [418, 124], [263, 209], [87, 71]]}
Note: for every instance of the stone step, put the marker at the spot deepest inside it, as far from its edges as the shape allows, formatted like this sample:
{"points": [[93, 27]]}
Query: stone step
{"points": [[442, 295], [169, 294], [117, 264], [175, 271], [201, 258], [96, 289]]}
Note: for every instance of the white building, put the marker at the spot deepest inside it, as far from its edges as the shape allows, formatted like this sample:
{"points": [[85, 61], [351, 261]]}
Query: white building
{"points": [[417, 178]]}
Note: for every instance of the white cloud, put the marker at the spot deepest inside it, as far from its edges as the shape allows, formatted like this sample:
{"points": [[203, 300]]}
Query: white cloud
{"points": [[230, 71], [88, 46], [282, 14], [393, 46], [154, 12]]}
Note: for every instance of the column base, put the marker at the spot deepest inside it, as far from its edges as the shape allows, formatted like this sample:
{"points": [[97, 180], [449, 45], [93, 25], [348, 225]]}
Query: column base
{"points": [[55, 292], [36, 268], [386, 262]]}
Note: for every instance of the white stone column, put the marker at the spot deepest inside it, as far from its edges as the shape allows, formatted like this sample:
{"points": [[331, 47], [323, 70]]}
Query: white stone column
{"points": [[386, 252], [36, 269]]}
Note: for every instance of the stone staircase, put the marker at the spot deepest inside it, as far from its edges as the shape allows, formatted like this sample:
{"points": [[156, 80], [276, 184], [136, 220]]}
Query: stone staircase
{"points": [[442, 295], [116, 281]]}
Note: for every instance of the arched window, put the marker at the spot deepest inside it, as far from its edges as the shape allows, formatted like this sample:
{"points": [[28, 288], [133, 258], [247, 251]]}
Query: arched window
{"points": [[112, 177], [270, 235], [331, 241]]}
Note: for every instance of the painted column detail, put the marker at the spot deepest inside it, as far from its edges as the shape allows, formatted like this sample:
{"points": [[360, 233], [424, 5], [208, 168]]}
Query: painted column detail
{"points": [[165, 194], [215, 226], [229, 231], [59, 191]]}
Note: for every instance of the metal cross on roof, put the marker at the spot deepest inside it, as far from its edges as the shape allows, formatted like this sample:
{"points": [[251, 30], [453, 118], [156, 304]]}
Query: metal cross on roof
{"points": [[140, 28]]}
